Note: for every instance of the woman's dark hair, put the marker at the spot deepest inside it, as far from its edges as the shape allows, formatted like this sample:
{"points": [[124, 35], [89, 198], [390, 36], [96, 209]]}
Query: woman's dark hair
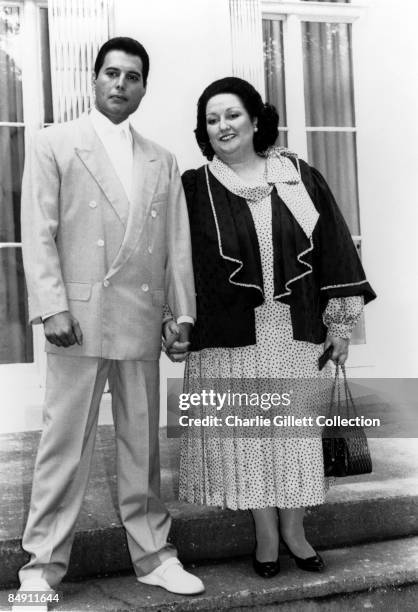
{"points": [[266, 114], [129, 46]]}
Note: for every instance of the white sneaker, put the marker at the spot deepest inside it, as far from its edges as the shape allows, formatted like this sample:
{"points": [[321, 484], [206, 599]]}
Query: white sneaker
{"points": [[32, 602], [171, 576]]}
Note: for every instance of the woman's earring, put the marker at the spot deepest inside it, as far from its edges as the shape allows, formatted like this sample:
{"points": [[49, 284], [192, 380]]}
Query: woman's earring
{"points": [[255, 128]]}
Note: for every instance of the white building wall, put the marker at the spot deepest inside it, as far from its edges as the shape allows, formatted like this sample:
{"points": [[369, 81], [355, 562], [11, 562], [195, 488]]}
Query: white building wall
{"points": [[189, 46], [387, 106]]}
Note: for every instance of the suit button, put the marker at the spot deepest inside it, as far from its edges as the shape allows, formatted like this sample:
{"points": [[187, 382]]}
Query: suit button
{"points": [[145, 287], [100, 243], [93, 204], [106, 283], [153, 213]]}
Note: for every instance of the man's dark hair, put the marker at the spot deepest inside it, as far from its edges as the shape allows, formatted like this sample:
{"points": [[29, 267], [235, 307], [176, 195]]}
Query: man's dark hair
{"points": [[266, 114], [129, 46]]}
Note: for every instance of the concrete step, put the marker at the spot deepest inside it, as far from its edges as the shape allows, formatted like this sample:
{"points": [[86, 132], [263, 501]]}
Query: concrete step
{"points": [[369, 508], [379, 576]]}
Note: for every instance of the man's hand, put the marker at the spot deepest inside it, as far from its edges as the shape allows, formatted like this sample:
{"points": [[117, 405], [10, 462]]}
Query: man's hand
{"points": [[340, 348], [170, 333], [62, 329], [176, 339]]}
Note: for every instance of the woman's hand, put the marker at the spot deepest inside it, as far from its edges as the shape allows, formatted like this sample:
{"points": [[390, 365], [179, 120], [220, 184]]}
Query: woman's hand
{"points": [[176, 340], [340, 348]]}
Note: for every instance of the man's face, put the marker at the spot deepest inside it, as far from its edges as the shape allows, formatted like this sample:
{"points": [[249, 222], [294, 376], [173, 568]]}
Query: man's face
{"points": [[119, 86]]}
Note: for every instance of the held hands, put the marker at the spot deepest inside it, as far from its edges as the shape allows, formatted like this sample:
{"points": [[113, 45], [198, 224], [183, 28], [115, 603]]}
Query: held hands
{"points": [[176, 340], [340, 348], [63, 329]]}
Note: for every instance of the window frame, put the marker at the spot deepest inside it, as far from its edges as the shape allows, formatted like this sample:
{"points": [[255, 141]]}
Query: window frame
{"points": [[293, 13], [23, 376]]}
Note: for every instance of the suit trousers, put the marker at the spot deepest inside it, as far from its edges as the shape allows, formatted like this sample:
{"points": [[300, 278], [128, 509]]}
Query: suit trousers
{"points": [[74, 388]]}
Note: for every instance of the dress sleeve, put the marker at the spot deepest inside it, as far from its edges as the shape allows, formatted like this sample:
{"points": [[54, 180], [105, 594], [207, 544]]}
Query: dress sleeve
{"points": [[342, 314], [341, 273], [167, 314]]}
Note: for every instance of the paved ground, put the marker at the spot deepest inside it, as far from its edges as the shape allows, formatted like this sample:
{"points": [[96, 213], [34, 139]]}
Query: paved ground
{"points": [[233, 585]]}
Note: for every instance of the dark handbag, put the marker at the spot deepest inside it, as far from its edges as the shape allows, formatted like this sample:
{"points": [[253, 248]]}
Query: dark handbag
{"points": [[345, 448]]}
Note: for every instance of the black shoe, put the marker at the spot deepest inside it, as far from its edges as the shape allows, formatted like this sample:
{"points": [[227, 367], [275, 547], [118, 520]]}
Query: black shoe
{"points": [[267, 569], [311, 564]]}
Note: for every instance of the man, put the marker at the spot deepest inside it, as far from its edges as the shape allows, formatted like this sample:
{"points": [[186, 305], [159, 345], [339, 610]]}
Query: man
{"points": [[105, 244]]}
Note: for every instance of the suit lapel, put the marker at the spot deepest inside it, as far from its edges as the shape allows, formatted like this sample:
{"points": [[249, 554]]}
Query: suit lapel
{"points": [[93, 155], [145, 174]]}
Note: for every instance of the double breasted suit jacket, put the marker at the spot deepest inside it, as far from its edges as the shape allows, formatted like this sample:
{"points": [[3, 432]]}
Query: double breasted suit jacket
{"points": [[112, 263]]}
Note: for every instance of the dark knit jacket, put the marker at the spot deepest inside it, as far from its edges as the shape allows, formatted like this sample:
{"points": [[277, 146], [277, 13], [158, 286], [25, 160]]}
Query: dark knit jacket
{"points": [[225, 311]]}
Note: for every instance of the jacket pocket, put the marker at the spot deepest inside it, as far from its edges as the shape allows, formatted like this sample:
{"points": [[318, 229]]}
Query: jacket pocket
{"points": [[78, 291], [158, 297]]}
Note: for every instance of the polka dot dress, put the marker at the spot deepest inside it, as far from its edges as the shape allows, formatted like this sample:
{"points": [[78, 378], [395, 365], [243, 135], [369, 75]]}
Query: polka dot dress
{"points": [[272, 468]]}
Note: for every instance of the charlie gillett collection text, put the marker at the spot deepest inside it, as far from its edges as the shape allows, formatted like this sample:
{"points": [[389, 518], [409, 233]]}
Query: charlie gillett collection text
{"points": [[279, 420]]}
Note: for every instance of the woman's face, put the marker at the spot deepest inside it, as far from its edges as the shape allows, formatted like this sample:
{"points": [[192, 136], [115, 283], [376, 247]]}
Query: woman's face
{"points": [[229, 127]]}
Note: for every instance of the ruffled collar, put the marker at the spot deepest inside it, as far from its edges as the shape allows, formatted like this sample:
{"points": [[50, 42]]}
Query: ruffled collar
{"points": [[280, 172]]}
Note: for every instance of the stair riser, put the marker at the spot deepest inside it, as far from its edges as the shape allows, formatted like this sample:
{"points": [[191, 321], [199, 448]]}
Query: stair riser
{"points": [[230, 534]]}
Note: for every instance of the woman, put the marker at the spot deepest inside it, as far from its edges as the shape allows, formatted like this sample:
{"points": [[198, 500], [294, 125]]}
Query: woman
{"points": [[278, 281]]}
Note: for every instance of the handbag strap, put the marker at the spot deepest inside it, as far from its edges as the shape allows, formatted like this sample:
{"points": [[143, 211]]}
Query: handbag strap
{"points": [[336, 401], [349, 402]]}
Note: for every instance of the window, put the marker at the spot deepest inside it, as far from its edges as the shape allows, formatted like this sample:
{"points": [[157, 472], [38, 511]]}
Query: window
{"points": [[16, 336], [329, 107], [308, 71], [48, 114], [25, 104], [274, 71]]}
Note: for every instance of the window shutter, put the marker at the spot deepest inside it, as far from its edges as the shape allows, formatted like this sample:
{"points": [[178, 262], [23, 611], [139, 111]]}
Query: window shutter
{"points": [[247, 42], [77, 29]]}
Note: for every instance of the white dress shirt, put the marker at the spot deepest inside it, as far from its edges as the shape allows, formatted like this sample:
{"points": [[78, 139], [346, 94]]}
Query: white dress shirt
{"points": [[118, 143]]}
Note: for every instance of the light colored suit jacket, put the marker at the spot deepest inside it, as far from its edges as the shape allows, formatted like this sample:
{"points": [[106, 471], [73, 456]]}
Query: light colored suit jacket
{"points": [[86, 249]]}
